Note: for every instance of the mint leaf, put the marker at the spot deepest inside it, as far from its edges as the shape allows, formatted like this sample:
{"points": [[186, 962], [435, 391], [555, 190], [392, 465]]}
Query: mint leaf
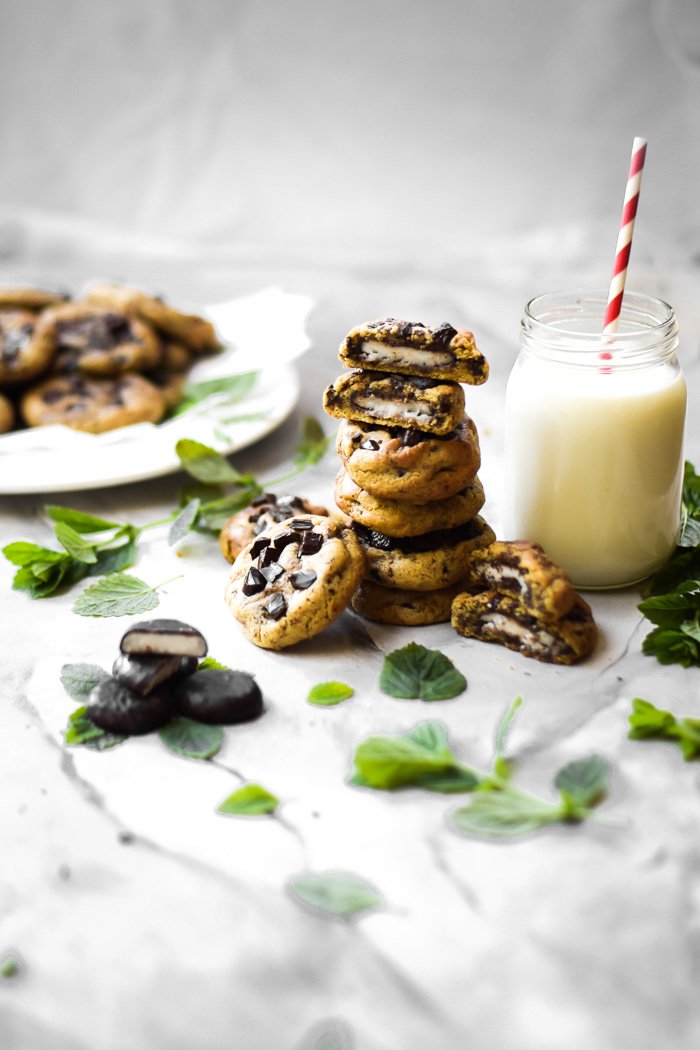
{"points": [[505, 814], [672, 646], [205, 463], [583, 783], [23, 553], [74, 543], [327, 694], [416, 672], [385, 762], [249, 800], [113, 559], [81, 730], [79, 521], [232, 388], [214, 513], [335, 892], [210, 664], [9, 966], [79, 680], [691, 491], [648, 721], [116, 595], [688, 730], [191, 739], [313, 446], [186, 520]]}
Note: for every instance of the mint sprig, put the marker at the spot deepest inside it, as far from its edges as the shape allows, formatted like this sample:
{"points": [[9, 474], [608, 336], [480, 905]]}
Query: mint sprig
{"points": [[647, 721]]}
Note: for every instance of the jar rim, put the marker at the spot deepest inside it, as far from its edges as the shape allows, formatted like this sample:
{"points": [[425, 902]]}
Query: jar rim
{"points": [[654, 315]]}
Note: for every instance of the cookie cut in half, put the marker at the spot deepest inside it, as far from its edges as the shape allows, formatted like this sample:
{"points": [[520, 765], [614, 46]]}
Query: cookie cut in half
{"points": [[524, 571], [294, 579], [415, 349], [503, 619], [433, 405]]}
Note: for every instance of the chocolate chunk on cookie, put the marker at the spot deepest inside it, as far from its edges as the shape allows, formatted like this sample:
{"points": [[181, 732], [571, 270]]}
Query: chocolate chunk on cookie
{"points": [[22, 355], [523, 570], [96, 341], [219, 697], [502, 618], [93, 405], [405, 608], [268, 509], [395, 463], [114, 707], [423, 563], [322, 563], [399, 518], [416, 349], [194, 331], [432, 405]]}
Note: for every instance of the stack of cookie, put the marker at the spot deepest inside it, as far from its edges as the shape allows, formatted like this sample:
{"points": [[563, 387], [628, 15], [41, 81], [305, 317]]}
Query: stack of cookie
{"points": [[114, 357], [519, 598], [410, 458]]}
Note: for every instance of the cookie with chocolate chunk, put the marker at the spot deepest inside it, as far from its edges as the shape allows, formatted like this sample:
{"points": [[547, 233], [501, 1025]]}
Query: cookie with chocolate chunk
{"points": [[22, 355], [423, 563], [399, 518], [432, 405], [96, 341], [7, 415], [268, 509], [394, 463], [523, 570], [32, 299], [93, 405], [294, 580], [194, 331], [502, 618], [405, 608], [415, 349]]}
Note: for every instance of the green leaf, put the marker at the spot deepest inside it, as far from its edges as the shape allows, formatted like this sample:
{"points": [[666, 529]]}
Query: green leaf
{"points": [[113, 559], [79, 521], [79, 680], [583, 783], [205, 463], [500, 766], [504, 814], [74, 543], [185, 521], [215, 513], [313, 446], [691, 490], [688, 730], [231, 388], [335, 892], [327, 694], [191, 739], [416, 672], [249, 801], [116, 595], [689, 535], [648, 721], [10, 966], [210, 664], [82, 731], [388, 762], [23, 553], [43, 578], [671, 646], [669, 610], [683, 565]]}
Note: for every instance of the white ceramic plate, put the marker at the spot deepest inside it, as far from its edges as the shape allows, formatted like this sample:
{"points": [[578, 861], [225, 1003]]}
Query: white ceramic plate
{"points": [[267, 329]]}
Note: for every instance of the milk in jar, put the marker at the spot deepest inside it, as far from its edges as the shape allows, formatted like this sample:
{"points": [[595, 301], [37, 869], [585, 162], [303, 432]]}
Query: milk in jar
{"points": [[594, 437]]}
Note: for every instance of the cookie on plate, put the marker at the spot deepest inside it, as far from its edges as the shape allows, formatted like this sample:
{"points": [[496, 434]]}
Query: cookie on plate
{"points": [[22, 356], [523, 570], [7, 415], [96, 341], [195, 332], [433, 405], [92, 405], [423, 563], [399, 518], [415, 349], [394, 463], [405, 608], [294, 580], [268, 509], [503, 619], [32, 299]]}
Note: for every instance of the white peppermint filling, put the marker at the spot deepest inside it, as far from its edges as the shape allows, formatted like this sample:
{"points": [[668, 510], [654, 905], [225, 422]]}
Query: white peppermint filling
{"points": [[405, 356], [381, 409], [495, 574], [499, 622]]}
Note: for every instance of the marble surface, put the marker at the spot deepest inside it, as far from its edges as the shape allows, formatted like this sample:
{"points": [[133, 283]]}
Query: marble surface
{"points": [[143, 919]]}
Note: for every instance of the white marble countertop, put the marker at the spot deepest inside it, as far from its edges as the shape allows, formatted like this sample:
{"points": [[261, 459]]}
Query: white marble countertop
{"points": [[141, 918]]}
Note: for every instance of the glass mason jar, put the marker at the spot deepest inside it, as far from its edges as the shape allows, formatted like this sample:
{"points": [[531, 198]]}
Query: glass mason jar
{"points": [[594, 436]]}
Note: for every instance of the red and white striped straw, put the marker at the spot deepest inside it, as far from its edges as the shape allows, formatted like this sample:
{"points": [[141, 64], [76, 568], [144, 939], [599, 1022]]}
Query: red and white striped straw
{"points": [[624, 239]]}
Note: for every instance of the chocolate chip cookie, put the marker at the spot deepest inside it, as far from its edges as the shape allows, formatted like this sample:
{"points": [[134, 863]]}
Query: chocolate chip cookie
{"points": [[423, 563], [523, 570], [33, 299], [415, 349], [406, 608], [399, 518], [268, 509], [7, 415], [394, 463], [195, 332], [294, 579], [432, 405], [96, 341], [505, 620], [22, 356], [93, 405]]}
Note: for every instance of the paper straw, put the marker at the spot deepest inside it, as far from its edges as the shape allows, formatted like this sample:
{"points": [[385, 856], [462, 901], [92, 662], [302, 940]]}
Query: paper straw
{"points": [[624, 241]]}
